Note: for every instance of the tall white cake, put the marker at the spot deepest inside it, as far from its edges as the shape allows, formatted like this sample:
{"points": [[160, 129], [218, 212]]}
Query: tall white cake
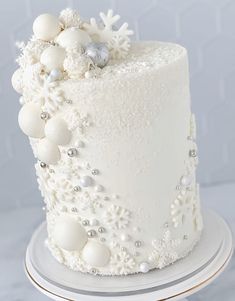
{"points": [[111, 126]]}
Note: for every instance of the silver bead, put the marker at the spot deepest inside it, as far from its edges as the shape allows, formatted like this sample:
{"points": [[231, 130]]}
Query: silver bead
{"points": [[138, 244], [86, 181], [102, 239], [185, 237], [101, 229], [193, 153], [45, 116], [166, 225], [43, 165], [91, 233], [68, 101], [77, 188], [74, 209], [98, 53], [72, 152], [95, 172], [86, 222], [94, 271]]}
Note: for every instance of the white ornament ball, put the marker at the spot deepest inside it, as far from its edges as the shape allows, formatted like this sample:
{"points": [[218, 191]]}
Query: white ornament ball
{"points": [[86, 181], [144, 267], [57, 131], [48, 152], [53, 58], [96, 254], [46, 27], [72, 38], [30, 121], [69, 234], [186, 180], [17, 81]]}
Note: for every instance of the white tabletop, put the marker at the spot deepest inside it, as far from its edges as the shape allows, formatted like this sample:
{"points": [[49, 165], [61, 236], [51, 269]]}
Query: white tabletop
{"points": [[17, 226]]}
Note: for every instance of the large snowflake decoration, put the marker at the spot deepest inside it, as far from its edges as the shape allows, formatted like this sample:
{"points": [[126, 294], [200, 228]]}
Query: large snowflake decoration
{"points": [[122, 263], [117, 217], [181, 208], [165, 250], [70, 18], [117, 40]]}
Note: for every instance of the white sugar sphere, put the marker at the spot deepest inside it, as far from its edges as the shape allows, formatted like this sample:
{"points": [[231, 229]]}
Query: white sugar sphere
{"points": [[48, 152], [96, 254], [53, 58], [17, 81], [69, 234], [57, 131], [30, 121], [46, 27], [144, 267], [73, 37]]}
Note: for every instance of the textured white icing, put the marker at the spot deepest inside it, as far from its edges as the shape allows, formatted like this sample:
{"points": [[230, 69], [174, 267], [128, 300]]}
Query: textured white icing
{"points": [[122, 166]]}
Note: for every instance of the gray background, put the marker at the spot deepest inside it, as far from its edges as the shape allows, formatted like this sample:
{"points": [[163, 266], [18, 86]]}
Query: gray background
{"points": [[206, 28]]}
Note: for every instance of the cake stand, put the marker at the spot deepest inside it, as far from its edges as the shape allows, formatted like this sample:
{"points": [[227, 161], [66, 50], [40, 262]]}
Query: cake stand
{"points": [[176, 282]]}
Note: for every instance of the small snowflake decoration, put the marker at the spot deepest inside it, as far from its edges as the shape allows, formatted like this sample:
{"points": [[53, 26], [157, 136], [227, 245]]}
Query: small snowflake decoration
{"points": [[117, 217], [64, 191], [122, 263], [76, 121], [118, 41], [70, 18], [165, 250], [181, 207]]}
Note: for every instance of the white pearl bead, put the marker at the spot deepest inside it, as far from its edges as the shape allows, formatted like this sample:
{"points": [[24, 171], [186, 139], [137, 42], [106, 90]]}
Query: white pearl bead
{"points": [[46, 27], [71, 38], [21, 100], [53, 58], [30, 121], [94, 222], [125, 237], [186, 180], [55, 74], [48, 152], [17, 81], [96, 254], [86, 181], [144, 267], [99, 188], [69, 234], [57, 131]]}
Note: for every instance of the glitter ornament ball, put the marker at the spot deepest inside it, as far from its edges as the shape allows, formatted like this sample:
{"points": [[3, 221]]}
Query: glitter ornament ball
{"points": [[46, 27], [53, 58], [98, 53], [69, 234], [57, 131], [72, 38], [48, 152], [30, 121], [96, 254]]}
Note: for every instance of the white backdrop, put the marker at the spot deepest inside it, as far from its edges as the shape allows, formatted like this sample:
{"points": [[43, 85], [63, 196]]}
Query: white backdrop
{"points": [[205, 27]]}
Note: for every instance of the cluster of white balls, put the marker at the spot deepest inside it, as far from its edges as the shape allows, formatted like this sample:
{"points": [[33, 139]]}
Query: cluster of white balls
{"points": [[52, 133], [69, 235], [47, 28]]}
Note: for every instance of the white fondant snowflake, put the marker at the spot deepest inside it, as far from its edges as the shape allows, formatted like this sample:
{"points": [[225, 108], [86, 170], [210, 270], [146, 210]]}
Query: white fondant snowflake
{"points": [[30, 52], [117, 217], [76, 121], [70, 18], [106, 32], [64, 191], [122, 263], [165, 250], [181, 208], [197, 215]]}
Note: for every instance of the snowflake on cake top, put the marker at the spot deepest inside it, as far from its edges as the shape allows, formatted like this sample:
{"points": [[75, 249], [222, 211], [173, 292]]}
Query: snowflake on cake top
{"points": [[122, 263], [118, 40], [165, 250], [70, 18], [117, 217]]}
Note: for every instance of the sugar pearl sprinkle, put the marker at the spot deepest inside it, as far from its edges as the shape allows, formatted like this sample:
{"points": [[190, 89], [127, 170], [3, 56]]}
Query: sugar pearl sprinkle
{"points": [[86, 222], [45, 116], [77, 188], [138, 244], [193, 153], [101, 229], [43, 165], [72, 152], [91, 233], [95, 172]]}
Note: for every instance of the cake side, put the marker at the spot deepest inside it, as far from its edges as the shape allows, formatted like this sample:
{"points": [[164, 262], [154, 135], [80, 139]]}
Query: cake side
{"points": [[117, 158]]}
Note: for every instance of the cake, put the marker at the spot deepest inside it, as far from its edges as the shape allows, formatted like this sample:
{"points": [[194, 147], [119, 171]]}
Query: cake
{"points": [[110, 124]]}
